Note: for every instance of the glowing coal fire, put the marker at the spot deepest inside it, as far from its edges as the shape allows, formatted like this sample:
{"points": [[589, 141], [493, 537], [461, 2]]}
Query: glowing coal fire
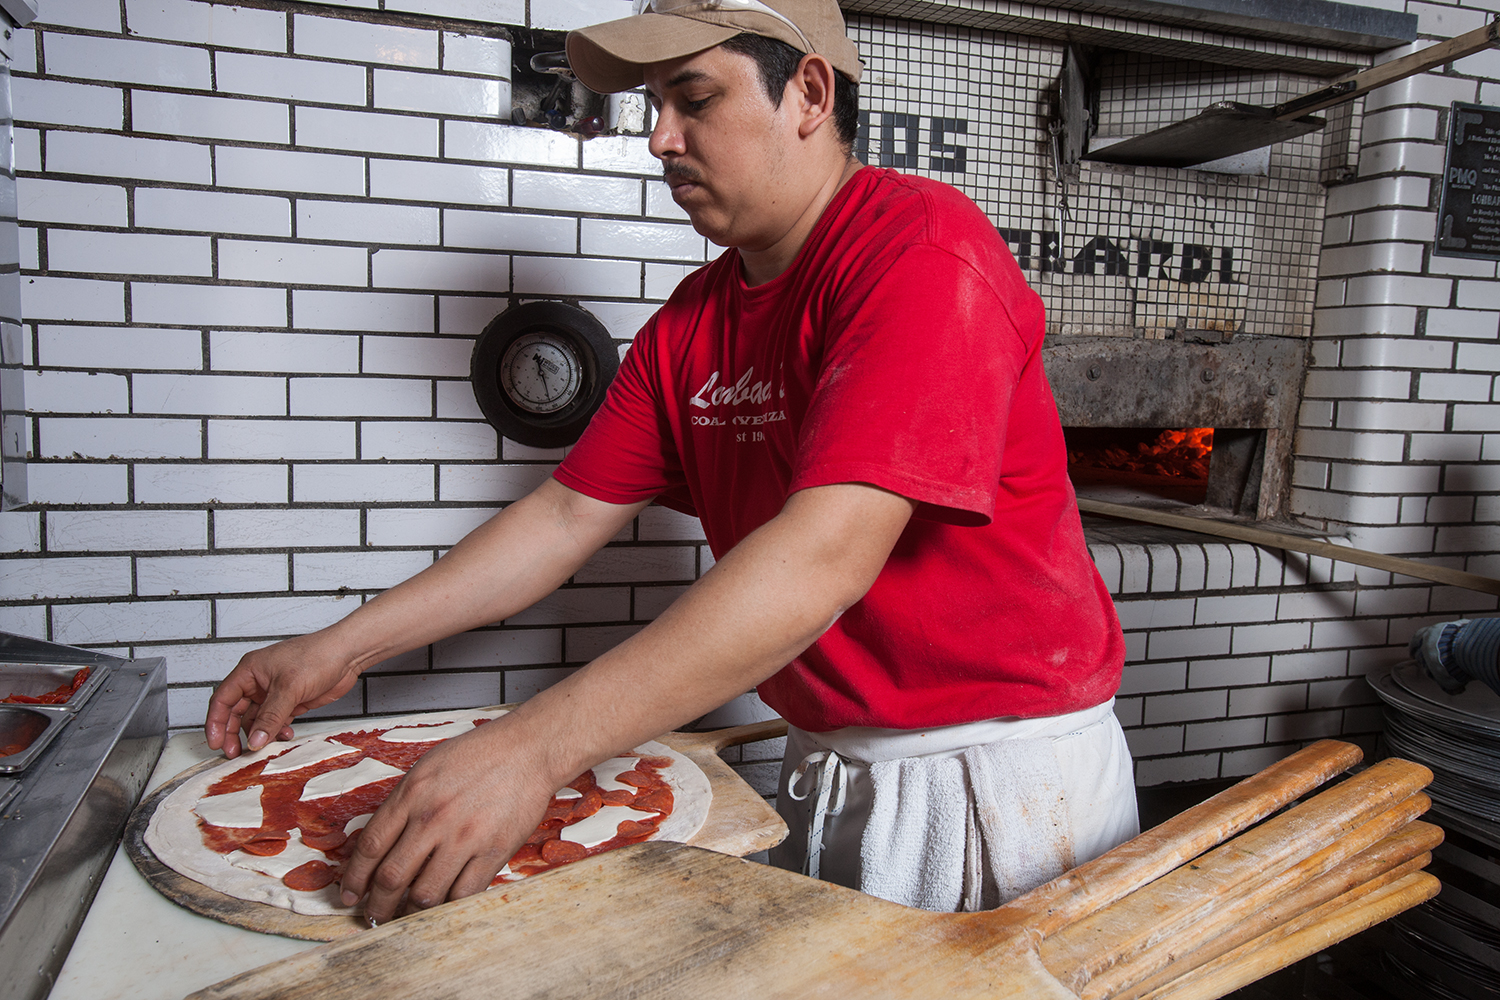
{"points": [[1176, 454]]}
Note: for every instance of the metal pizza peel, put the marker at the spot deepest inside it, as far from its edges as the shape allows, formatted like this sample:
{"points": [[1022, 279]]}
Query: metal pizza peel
{"points": [[1166, 915], [739, 822]]}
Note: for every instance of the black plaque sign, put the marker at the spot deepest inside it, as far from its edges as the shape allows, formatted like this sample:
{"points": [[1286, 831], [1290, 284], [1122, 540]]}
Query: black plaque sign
{"points": [[1469, 213]]}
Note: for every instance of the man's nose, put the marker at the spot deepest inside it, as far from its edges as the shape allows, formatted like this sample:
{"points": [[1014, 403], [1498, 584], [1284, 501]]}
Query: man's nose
{"points": [[666, 137]]}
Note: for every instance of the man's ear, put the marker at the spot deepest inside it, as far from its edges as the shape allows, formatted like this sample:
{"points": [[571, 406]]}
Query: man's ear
{"points": [[812, 88]]}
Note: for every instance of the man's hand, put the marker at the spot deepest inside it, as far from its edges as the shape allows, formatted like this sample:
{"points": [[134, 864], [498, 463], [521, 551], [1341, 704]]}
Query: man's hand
{"points": [[270, 687], [450, 825]]}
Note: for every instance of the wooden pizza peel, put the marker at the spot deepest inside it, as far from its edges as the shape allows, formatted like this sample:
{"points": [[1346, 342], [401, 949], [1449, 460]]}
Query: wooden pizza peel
{"points": [[739, 822], [1156, 918]]}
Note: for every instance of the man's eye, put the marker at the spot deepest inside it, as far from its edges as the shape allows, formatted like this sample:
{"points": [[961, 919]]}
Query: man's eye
{"points": [[696, 105]]}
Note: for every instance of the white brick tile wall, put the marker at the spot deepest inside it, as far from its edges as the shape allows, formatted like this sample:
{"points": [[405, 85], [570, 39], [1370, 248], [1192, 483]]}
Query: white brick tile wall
{"points": [[401, 135], [455, 401], [209, 117], [1359, 446], [662, 524], [440, 94], [430, 693], [82, 14], [126, 61], [275, 529], [76, 392], [454, 183], [355, 570], [274, 617], [552, 276], [210, 574], [622, 154], [418, 356], [207, 305], [607, 238], [459, 272], [375, 311], [488, 648], [284, 170], [1144, 677], [24, 620], [73, 299], [224, 395], [507, 231], [509, 144], [583, 644], [257, 351], [212, 211], [659, 563], [1399, 123], [492, 11], [119, 437], [54, 102], [440, 527], [361, 223], [357, 41], [489, 483], [290, 79], [476, 54], [1229, 673], [565, 15], [368, 397], [26, 148], [191, 21], [92, 154], [71, 577], [293, 263], [130, 621], [623, 319], [1270, 638], [128, 253], [1227, 733], [125, 531], [67, 201], [650, 602], [275, 439], [187, 706], [662, 279], [115, 347], [362, 483], [209, 484], [403, 440], [577, 193], [76, 484], [1184, 706], [1155, 613], [573, 605]]}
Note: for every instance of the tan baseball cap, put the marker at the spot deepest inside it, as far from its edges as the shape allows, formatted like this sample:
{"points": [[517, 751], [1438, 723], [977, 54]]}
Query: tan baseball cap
{"points": [[609, 57]]}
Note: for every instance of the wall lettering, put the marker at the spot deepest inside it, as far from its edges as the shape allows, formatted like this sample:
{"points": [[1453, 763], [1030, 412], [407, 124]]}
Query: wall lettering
{"points": [[901, 141], [1190, 263]]}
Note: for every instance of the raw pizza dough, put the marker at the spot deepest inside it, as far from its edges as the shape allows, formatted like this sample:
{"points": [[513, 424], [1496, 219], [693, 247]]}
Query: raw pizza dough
{"points": [[174, 835]]}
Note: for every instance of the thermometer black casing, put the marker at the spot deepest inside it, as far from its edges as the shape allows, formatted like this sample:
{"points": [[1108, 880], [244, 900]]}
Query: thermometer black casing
{"points": [[590, 342]]}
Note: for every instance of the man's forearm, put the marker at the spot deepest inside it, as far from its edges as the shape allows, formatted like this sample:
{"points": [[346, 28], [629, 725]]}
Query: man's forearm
{"points": [[500, 568], [756, 610]]}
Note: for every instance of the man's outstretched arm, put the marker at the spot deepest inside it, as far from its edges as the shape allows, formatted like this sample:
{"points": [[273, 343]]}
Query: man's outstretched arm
{"points": [[471, 801], [501, 567]]}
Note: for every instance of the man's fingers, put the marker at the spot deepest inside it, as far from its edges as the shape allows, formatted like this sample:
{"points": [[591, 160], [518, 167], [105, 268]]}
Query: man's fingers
{"points": [[477, 875], [273, 716]]}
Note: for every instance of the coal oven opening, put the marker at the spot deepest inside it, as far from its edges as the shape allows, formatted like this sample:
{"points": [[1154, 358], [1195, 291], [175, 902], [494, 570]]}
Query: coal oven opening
{"points": [[1192, 466]]}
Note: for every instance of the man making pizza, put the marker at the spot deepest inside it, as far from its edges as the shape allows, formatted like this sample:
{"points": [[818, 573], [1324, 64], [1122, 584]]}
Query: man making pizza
{"points": [[852, 400]]}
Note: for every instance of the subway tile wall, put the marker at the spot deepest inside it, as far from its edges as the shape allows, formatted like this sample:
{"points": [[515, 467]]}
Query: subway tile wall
{"points": [[258, 242]]}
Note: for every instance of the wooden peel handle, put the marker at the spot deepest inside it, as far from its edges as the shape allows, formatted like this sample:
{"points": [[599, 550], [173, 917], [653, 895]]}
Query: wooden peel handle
{"points": [[1112, 876], [753, 732]]}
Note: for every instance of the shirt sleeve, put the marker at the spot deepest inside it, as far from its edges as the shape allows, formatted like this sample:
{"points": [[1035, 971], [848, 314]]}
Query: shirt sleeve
{"points": [[915, 388], [627, 453]]}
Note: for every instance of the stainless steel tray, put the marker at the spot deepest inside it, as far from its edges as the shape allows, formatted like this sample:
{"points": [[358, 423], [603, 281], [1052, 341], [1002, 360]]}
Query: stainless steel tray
{"points": [[34, 725], [36, 679]]}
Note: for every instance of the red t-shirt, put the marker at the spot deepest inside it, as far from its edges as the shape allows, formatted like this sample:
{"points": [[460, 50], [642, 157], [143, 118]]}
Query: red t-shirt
{"points": [[902, 349]]}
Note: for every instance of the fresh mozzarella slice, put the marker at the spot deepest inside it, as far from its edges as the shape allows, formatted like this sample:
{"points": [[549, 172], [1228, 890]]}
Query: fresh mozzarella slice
{"points": [[357, 823], [567, 793], [236, 809], [305, 756], [348, 778], [425, 734], [605, 774], [604, 824], [293, 855]]}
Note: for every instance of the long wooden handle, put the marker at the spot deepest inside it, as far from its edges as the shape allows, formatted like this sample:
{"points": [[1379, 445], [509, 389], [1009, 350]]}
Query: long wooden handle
{"points": [[1234, 921], [1174, 903], [1363, 82], [721, 739], [1293, 543], [1112, 876], [1277, 950]]}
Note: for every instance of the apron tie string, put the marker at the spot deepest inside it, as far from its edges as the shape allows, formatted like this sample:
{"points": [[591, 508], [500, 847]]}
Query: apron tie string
{"points": [[829, 781]]}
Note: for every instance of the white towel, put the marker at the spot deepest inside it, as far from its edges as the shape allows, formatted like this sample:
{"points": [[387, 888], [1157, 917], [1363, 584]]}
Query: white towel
{"points": [[920, 809]]}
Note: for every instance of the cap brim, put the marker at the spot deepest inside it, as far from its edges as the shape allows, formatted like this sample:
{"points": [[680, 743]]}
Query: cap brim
{"points": [[610, 57]]}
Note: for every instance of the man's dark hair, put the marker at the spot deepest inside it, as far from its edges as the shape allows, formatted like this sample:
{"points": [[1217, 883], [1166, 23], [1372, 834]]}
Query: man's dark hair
{"points": [[777, 61]]}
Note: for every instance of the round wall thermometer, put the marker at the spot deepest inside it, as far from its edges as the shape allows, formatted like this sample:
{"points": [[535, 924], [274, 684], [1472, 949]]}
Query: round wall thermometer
{"points": [[539, 372]]}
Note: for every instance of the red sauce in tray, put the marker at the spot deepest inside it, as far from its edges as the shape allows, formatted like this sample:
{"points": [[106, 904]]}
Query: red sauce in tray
{"points": [[321, 822], [28, 730], [57, 696]]}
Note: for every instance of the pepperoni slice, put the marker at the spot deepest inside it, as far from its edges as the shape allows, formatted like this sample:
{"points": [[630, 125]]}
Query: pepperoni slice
{"points": [[528, 854], [630, 830], [265, 847], [658, 801], [618, 797], [310, 876], [330, 841], [585, 807], [635, 778], [562, 852]]}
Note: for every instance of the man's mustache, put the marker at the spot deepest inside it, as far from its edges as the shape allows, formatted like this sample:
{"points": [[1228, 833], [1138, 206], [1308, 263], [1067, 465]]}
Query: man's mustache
{"points": [[680, 170]]}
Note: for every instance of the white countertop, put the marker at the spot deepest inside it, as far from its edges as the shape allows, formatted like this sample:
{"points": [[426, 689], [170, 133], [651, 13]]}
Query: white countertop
{"points": [[135, 944]]}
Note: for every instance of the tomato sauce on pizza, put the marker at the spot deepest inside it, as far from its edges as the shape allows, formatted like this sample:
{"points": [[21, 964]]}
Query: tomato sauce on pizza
{"points": [[624, 803]]}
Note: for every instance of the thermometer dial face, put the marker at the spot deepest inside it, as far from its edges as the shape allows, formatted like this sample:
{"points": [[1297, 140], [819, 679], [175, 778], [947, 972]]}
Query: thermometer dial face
{"points": [[541, 372]]}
